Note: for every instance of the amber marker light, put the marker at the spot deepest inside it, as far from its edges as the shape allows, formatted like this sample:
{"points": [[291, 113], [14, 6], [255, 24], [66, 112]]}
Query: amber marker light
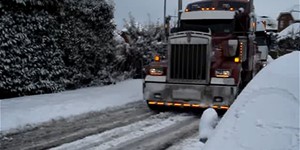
{"points": [[160, 103], [169, 104], [177, 104], [224, 107], [187, 105], [156, 58], [151, 103], [215, 106], [195, 105], [236, 59]]}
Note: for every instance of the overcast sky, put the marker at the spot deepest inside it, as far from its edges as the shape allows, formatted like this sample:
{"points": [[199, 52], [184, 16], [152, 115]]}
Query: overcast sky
{"points": [[141, 8]]}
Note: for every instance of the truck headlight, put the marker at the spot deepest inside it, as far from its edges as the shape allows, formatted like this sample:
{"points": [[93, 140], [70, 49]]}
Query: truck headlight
{"points": [[156, 71], [222, 73]]}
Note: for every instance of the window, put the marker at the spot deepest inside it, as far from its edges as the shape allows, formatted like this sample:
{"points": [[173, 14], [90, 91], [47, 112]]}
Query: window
{"points": [[216, 26], [198, 5]]}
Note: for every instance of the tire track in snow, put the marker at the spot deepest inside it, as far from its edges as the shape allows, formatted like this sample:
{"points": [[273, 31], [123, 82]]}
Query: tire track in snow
{"points": [[161, 129]]}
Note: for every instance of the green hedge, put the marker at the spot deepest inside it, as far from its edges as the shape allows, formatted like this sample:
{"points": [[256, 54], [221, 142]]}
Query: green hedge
{"points": [[50, 45]]}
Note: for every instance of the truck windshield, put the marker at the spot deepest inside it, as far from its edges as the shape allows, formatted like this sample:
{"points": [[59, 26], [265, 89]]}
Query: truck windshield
{"points": [[198, 5], [216, 26], [221, 5], [235, 5]]}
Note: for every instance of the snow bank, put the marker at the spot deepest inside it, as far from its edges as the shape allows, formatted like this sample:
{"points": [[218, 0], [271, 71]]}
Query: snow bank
{"points": [[266, 114], [291, 31], [18, 112], [270, 59]]}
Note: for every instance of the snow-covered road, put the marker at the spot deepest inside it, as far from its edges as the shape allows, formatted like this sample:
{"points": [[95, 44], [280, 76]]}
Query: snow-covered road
{"points": [[130, 126], [28, 111], [50, 120], [60, 131], [156, 132]]}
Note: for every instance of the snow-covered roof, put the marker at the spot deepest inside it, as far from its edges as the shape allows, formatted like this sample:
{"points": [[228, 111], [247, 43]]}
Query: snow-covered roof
{"points": [[265, 116], [291, 31]]}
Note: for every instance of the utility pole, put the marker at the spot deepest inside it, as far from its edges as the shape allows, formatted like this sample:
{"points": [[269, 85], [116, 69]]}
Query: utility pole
{"points": [[165, 10], [179, 12], [165, 24]]}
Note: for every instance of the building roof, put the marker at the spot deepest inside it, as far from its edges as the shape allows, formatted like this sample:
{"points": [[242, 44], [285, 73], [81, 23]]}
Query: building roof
{"points": [[284, 13]]}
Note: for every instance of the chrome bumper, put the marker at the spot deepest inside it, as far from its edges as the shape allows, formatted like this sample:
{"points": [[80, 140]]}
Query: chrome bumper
{"points": [[204, 95]]}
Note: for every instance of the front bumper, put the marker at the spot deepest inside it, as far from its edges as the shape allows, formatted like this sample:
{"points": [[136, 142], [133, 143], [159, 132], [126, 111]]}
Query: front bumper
{"points": [[170, 94]]}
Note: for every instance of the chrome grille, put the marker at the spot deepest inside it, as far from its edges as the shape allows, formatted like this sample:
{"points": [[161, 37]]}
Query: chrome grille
{"points": [[188, 62]]}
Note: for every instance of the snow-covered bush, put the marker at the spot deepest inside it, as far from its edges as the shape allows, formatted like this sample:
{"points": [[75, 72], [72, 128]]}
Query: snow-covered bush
{"points": [[30, 59], [51, 45], [289, 38], [87, 36], [142, 43], [290, 43]]}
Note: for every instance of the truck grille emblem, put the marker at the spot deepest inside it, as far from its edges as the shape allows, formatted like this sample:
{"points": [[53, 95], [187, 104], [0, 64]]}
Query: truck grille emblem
{"points": [[189, 36]]}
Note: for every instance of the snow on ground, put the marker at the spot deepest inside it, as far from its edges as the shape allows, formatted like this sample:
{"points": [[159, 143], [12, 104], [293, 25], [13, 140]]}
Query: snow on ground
{"points": [[18, 112], [191, 143], [266, 114], [291, 31], [113, 138]]}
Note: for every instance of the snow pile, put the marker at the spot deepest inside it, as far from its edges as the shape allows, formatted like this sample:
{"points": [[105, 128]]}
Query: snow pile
{"points": [[18, 112], [292, 31], [208, 122], [266, 114]]}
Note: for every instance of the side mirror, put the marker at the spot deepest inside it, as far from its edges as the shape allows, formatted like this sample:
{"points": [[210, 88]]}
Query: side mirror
{"points": [[173, 30]]}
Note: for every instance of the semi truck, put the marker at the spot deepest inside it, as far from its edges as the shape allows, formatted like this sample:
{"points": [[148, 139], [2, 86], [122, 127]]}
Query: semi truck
{"points": [[212, 55]]}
